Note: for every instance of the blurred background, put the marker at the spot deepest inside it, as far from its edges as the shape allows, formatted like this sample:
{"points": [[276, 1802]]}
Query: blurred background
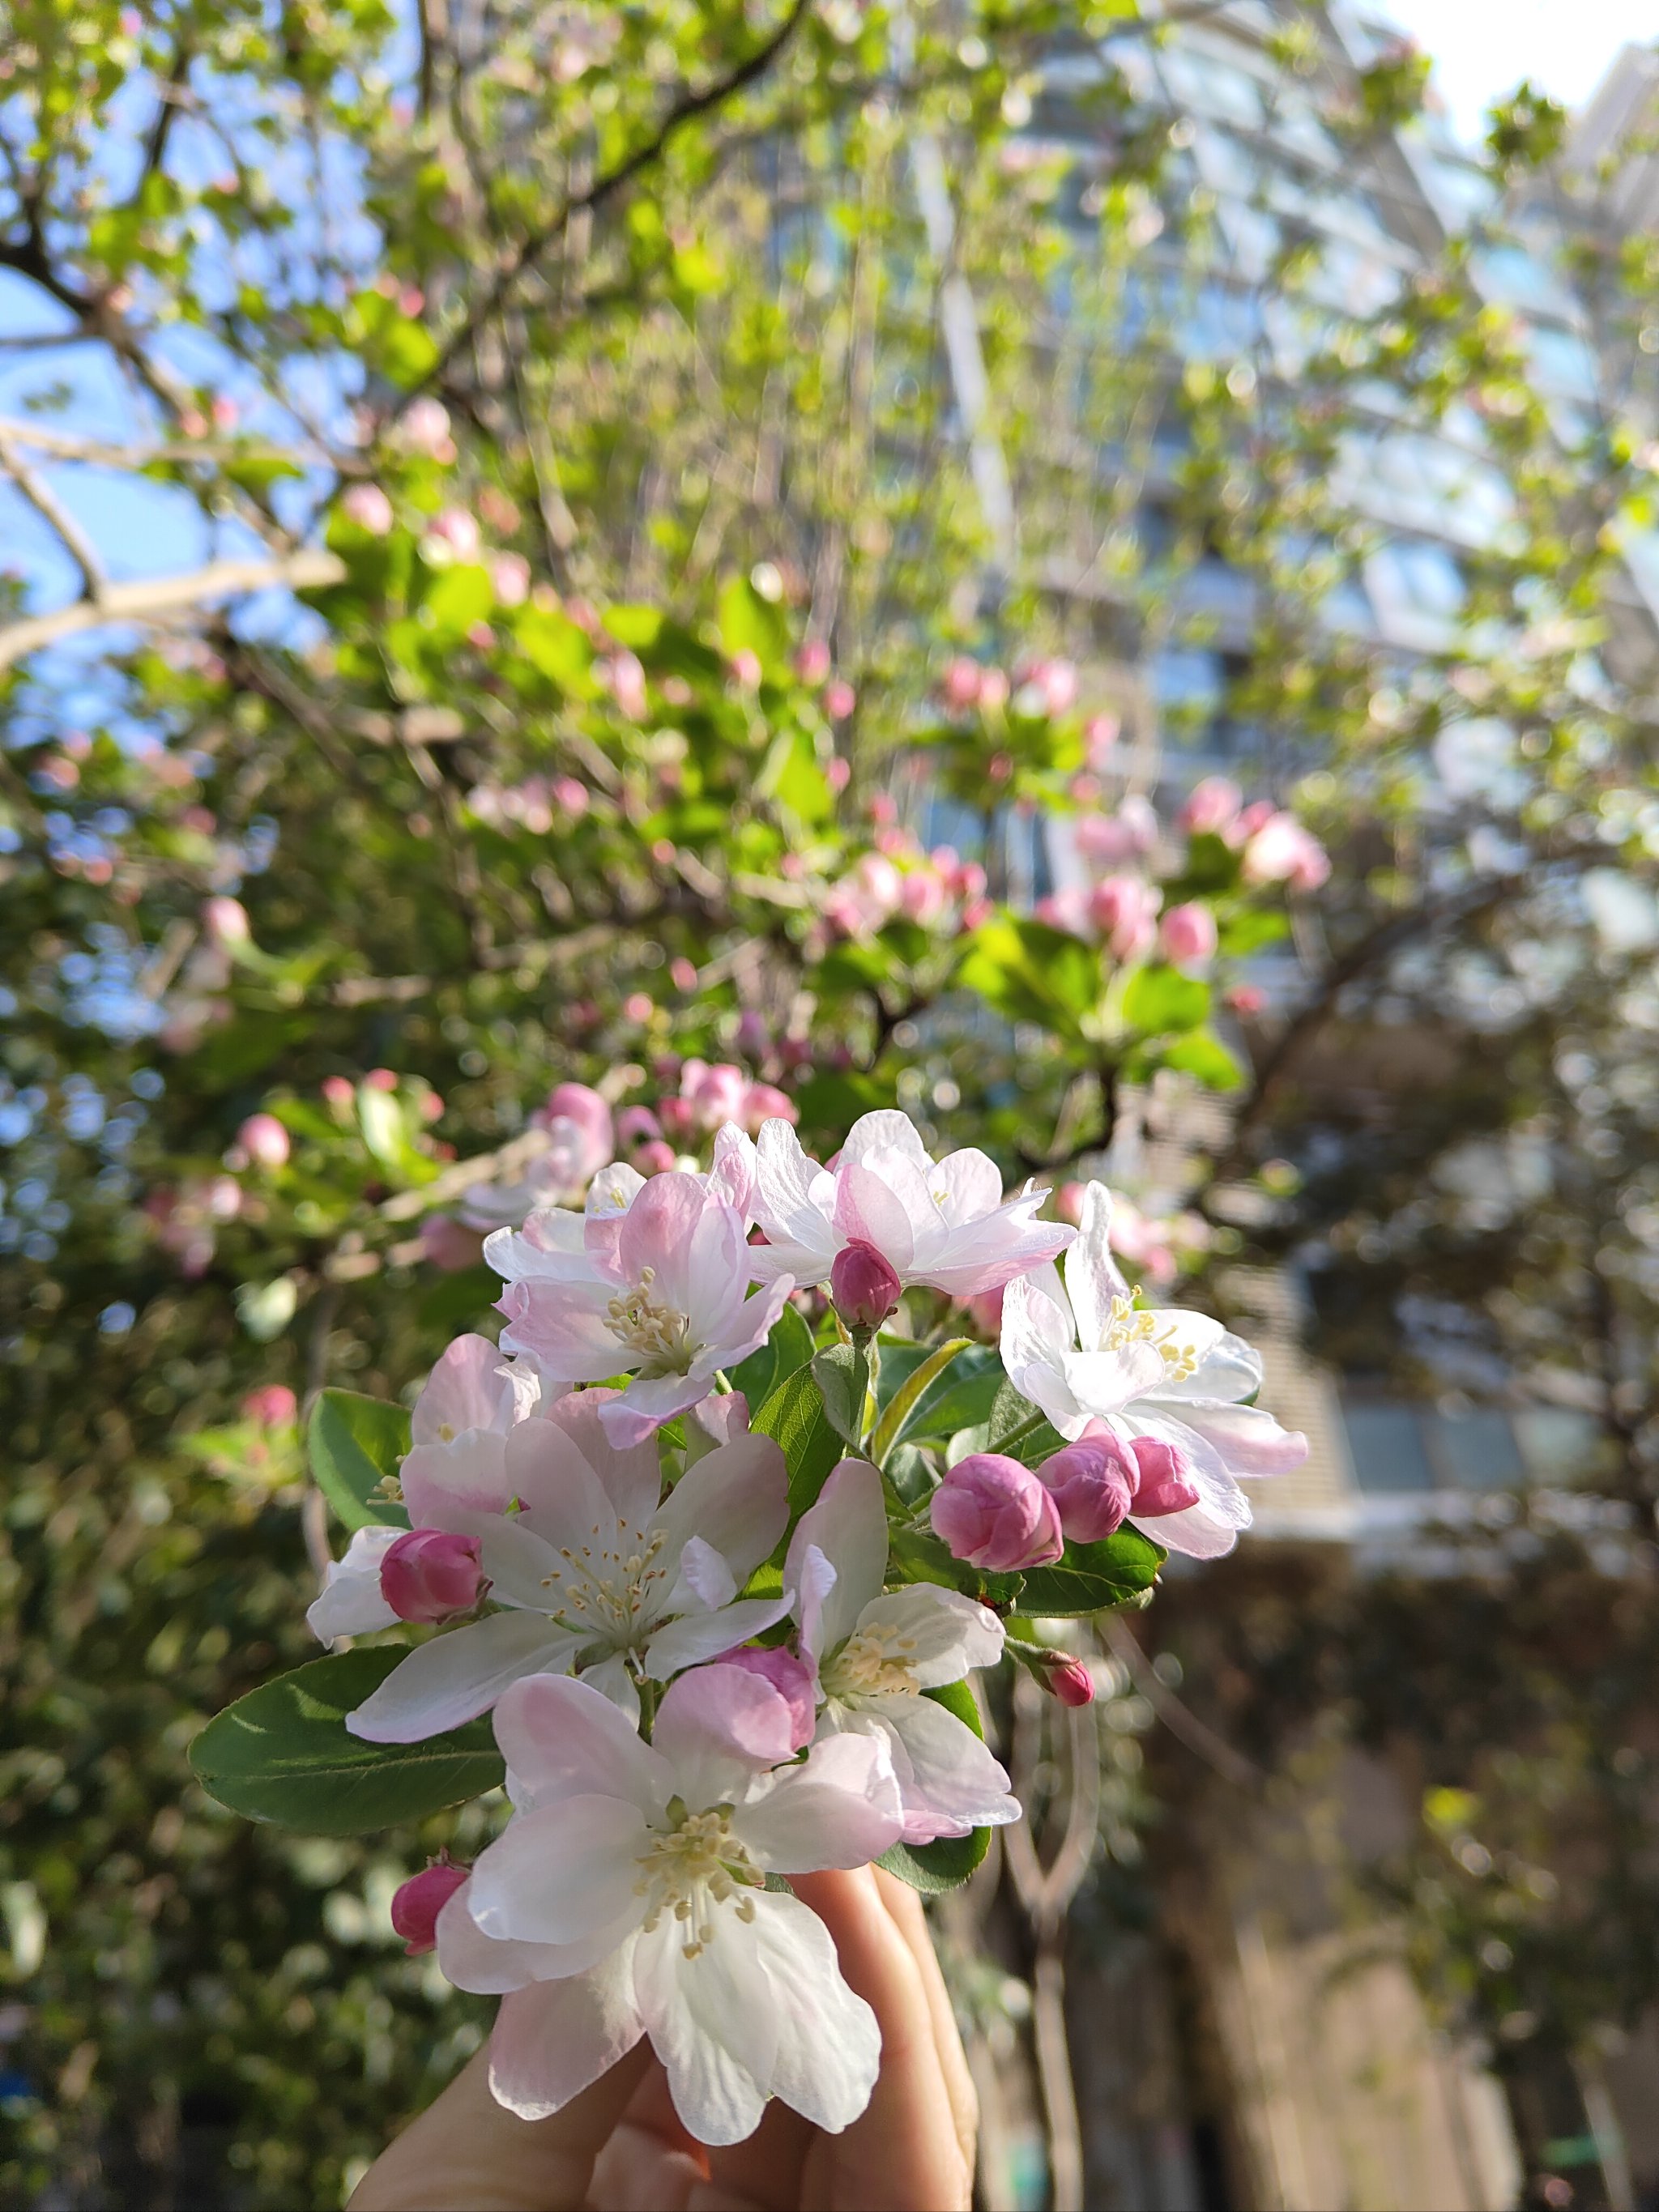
{"points": [[696, 551]]}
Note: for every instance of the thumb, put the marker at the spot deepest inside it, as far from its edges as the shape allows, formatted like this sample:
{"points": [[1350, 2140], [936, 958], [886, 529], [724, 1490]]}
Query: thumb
{"points": [[467, 2149]]}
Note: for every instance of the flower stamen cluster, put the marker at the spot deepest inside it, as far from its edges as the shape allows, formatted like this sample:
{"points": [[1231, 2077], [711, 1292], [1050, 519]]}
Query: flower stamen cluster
{"points": [[691, 1869]]}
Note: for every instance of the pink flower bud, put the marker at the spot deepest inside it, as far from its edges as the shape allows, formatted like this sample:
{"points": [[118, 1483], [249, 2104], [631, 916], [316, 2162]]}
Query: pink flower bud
{"points": [[746, 669], [1188, 934], [382, 1079], [638, 1007], [509, 575], [678, 1118], [1247, 999], [225, 920], [416, 1905], [458, 530], [655, 1157], [812, 661], [265, 1141], [994, 1514], [864, 1287], [430, 1573], [1165, 1483], [1211, 805], [1070, 1680], [271, 1407], [764, 1102], [368, 506], [337, 1093], [960, 688], [1092, 1483], [839, 700], [683, 974], [791, 1680], [449, 1245]]}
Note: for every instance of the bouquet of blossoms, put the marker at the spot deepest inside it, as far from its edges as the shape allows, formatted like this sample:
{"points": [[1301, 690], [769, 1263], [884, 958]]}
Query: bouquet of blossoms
{"points": [[704, 1587]]}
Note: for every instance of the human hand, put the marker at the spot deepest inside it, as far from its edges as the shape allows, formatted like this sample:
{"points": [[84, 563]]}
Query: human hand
{"points": [[619, 2147]]}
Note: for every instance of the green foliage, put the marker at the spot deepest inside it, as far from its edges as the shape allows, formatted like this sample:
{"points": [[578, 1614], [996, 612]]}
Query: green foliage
{"points": [[356, 1445], [284, 1754]]}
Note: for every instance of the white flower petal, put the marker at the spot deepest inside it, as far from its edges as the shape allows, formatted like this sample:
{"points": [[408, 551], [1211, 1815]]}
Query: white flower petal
{"points": [[716, 2098], [468, 1390], [949, 1633], [789, 1188], [718, 1728], [564, 1738], [1248, 1440], [827, 2044], [1093, 1278], [459, 1675], [631, 1479], [553, 2040], [489, 1966], [886, 1131], [562, 1872], [705, 1576], [350, 1604], [841, 1808], [442, 1482], [703, 1636], [564, 1501], [611, 1679], [952, 1775], [735, 1499], [848, 1525]]}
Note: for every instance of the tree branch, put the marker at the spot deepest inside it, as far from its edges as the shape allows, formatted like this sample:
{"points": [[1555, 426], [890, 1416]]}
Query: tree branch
{"points": [[684, 110], [164, 595], [44, 500]]}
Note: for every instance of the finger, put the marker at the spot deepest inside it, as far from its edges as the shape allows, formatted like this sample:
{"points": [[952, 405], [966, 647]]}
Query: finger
{"points": [[650, 2163], [467, 2149], [904, 2153], [905, 1907], [765, 2169]]}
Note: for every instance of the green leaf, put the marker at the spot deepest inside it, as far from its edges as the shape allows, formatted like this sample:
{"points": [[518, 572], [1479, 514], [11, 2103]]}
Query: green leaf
{"points": [[935, 1867], [1206, 1057], [1159, 999], [1092, 1578], [284, 1754], [960, 1395], [923, 1374], [1031, 973], [842, 1374], [354, 1442], [789, 1347], [794, 1415]]}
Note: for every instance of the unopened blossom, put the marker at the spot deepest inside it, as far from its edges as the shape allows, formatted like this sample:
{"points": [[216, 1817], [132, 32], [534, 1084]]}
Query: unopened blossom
{"points": [[996, 1515], [1187, 935], [594, 1568], [864, 1288], [417, 1904], [1093, 1484], [368, 506], [655, 1289], [1211, 807], [812, 661], [1129, 835], [839, 700], [1086, 1353], [265, 1141], [873, 1651], [627, 1897], [1124, 910], [1070, 1680], [272, 1406], [428, 1574], [792, 1678], [1163, 1476], [945, 1223]]}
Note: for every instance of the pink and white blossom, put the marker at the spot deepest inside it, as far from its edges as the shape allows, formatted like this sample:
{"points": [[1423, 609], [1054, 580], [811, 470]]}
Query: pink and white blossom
{"points": [[627, 1897], [652, 1281], [945, 1223], [872, 1651], [1086, 1353], [594, 1568]]}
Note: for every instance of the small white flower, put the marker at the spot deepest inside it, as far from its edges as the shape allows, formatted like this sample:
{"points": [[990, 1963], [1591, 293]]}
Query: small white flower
{"points": [[627, 1897], [1086, 1353]]}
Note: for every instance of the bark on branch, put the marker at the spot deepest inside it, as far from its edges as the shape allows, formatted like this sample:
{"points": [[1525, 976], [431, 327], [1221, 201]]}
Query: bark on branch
{"points": [[168, 595]]}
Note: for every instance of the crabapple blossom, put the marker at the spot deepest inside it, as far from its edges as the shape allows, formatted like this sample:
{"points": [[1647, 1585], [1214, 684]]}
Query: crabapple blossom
{"points": [[627, 1897], [1282, 852], [1092, 1483], [994, 1513], [651, 1280], [1212, 804], [873, 1651], [812, 661], [960, 685], [1124, 909], [265, 1141], [790, 1677], [1087, 1354], [272, 1406], [944, 1223], [594, 1568], [368, 506]]}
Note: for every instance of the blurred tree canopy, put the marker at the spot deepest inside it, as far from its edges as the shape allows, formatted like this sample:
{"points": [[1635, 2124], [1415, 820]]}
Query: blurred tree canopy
{"points": [[557, 544]]}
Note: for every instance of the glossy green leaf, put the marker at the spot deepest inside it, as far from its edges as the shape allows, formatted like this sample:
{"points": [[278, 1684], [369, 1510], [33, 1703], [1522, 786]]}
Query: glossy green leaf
{"points": [[354, 1442], [794, 1415], [842, 1375], [284, 1754], [1157, 1000]]}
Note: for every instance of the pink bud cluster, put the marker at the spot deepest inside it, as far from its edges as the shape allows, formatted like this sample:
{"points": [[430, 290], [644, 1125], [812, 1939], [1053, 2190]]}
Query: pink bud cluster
{"points": [[1275, 846], [939, 890], [1007, 1519]]}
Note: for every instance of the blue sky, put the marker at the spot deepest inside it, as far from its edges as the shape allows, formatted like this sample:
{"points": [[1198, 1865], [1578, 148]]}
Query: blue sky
{"points": [[1483, 48]]}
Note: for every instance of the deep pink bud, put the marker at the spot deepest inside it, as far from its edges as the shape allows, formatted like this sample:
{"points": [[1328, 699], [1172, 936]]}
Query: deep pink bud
{"points": [[272, 1407], [416, 1906], [791, 1680], [864, 1288], [1071, 1681], [1092, 1483], [430, 1573], [1188, 934], [745, 666], [994, 1513], [1247, 998], [839, 700], [1165, 1484], [265, 1141]]}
